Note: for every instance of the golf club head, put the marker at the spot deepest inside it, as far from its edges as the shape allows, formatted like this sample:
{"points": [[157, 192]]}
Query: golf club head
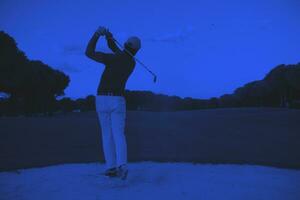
{"points": [[155, 78]]}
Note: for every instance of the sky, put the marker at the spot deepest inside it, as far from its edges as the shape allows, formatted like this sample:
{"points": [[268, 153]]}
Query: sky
{"points": [[197, 48]]}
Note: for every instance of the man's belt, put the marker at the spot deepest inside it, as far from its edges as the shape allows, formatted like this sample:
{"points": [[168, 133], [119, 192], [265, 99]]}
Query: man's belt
{"points": [[111, 93]]}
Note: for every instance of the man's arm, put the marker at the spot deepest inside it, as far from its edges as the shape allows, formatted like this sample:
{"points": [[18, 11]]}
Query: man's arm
{"points": [[90, 49], [111, 43]]}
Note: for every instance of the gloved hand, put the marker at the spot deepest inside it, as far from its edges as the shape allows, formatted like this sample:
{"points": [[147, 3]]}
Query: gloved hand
{"points": [[101, 30], [108, 34]]}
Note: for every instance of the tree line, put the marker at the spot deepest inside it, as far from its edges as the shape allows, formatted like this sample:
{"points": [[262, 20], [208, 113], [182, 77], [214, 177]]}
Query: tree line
{"points": [[32, 87], [279, 88]]}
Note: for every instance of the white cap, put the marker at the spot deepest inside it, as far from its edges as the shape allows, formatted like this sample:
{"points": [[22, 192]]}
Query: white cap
{"points": [[134, 42]]}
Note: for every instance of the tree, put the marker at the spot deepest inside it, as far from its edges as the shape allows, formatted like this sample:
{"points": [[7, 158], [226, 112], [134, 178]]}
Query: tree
{"points": [[253, 93], [292, 76], [33, 86], [277, 81], [229, 100]]}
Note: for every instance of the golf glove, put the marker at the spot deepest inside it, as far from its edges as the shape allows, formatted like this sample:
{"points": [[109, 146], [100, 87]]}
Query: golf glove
{"points": [[108, 34], [101, 30]]}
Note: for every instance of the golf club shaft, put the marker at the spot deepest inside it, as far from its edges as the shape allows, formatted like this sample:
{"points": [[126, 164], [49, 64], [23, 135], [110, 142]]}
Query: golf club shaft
{"points": [[136, 59]]}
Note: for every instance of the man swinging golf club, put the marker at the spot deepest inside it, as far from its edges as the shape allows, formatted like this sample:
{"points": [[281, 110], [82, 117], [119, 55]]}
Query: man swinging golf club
{"points": [[110, 101]]}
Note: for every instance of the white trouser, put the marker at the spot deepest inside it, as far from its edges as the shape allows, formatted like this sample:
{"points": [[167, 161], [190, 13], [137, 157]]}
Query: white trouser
{"points": [[111, 112]]}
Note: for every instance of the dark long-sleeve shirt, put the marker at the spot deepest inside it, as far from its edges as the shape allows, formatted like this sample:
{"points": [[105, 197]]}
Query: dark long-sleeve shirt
{"points": [[118, 66]]}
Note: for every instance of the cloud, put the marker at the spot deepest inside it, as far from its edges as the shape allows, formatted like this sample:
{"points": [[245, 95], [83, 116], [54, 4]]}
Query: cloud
{"points": [[66, 67], [74, 49], [177, 36], [248, 27], [79, 50]]}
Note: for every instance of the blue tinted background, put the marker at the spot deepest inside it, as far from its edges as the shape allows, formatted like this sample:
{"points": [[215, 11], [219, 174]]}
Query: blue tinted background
{"points": [[197, 48]]}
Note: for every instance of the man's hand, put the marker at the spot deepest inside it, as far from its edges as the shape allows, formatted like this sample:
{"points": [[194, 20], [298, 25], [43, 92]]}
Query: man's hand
{"points": [[108, 34], [101, 30]]}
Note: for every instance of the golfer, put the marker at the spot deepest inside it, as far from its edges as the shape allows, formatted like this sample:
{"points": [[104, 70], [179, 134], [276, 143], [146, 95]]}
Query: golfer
{"points": [[110, 101]]}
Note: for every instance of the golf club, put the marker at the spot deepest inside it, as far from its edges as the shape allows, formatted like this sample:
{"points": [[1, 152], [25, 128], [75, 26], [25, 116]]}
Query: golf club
{"points": [[154, 76]]}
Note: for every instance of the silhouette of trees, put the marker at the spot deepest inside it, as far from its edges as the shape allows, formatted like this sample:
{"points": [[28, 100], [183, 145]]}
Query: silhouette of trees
{"points": [[146, 100], [32, 85], [85, 104], [229, 100], [277, 81], [284, 83], [251, 94], [66, 104], [293, 79], [279, 88]]}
